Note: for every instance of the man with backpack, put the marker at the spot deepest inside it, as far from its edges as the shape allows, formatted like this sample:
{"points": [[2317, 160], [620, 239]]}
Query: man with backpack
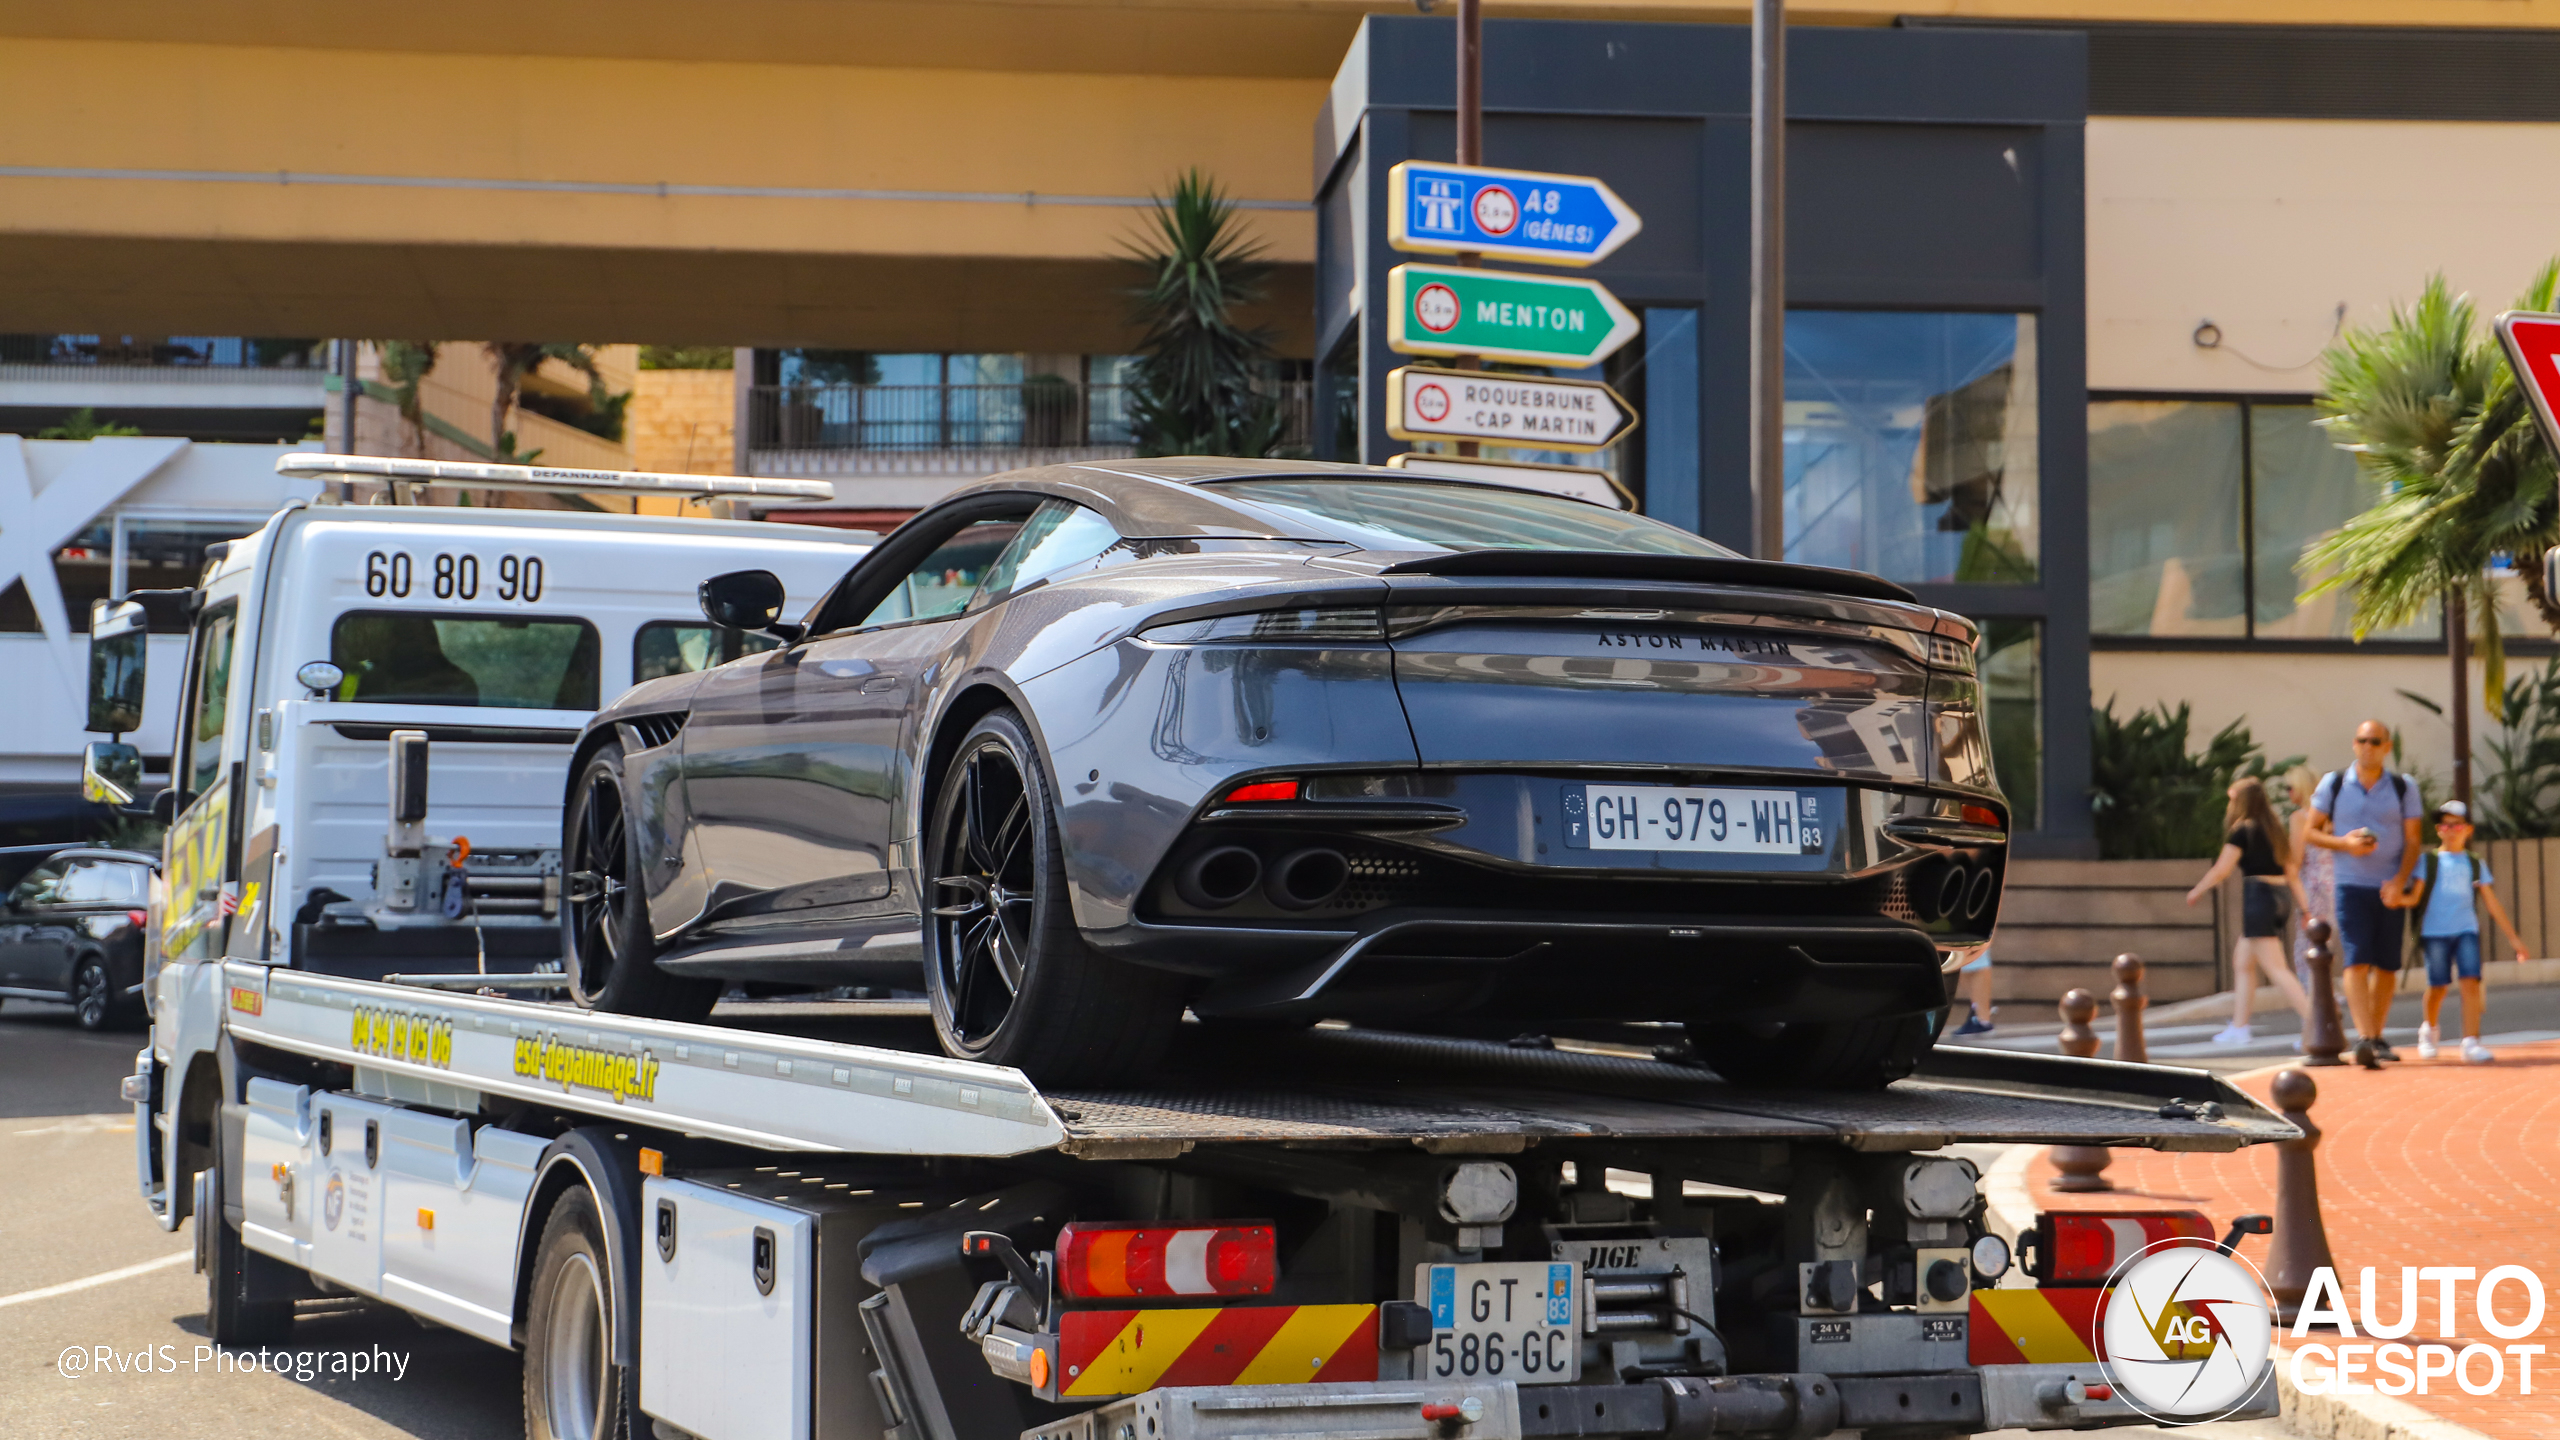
{"points": [[2452, 885], [2368, 814]]}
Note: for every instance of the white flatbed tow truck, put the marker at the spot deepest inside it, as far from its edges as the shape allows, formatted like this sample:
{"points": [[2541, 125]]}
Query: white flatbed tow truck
{"points": [[801, 1220]]}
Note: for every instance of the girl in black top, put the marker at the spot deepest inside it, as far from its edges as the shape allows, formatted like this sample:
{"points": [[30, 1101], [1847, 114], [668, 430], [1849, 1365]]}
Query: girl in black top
{"points": [[2255, 844]]}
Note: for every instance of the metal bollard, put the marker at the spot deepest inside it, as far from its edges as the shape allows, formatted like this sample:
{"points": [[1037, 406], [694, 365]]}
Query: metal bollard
{"points": [[2301, 1243], [2129, 1002], [2080, 1164], [2321, 1037]]}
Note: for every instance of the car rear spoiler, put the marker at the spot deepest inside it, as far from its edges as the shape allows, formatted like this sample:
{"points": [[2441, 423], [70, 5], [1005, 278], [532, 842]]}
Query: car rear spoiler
{"points": [[1694, 569]]}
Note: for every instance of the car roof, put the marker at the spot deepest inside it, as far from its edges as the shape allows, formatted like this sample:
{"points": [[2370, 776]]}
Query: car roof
{"points": [[1169, 496]]}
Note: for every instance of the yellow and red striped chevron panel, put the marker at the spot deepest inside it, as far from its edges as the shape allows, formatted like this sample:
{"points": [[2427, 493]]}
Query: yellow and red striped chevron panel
{"points": [[1105, 1353], [2037, 1327]]}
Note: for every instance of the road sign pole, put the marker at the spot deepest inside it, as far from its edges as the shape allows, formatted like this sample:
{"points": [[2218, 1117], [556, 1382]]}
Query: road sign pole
{"points": [[1768, 278], [1470, 136]]}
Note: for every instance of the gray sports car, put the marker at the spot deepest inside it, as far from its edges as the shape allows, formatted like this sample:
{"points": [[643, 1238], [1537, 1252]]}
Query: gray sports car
{"points": [[1283, 741]]}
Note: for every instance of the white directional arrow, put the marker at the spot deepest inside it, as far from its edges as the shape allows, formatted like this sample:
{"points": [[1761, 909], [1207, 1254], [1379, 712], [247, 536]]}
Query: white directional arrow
{"points": [[1430, 404]]}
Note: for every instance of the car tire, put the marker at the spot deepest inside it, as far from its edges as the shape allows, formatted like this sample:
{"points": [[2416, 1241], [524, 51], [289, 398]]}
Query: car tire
{"points": [[1010, 977], [572, 1388], [232, 1272], [1817, 1055], [606, 946], [93, 993]]}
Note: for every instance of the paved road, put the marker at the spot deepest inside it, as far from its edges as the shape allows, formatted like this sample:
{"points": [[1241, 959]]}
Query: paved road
{"points": [[69, 1212]]}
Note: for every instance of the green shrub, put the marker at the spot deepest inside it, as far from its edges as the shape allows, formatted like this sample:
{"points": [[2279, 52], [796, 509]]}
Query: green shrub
{"points": [[2151, 798]]}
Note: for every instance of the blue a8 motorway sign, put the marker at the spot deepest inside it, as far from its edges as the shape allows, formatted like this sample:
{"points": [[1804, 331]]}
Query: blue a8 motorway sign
{"points": [[1511, 214]]}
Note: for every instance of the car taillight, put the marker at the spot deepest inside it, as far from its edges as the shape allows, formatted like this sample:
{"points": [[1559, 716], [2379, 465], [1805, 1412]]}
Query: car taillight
{"points": [[1115, 1262], [1262, 790], [1331, 622], [2084, 1248], [1984, 816]]}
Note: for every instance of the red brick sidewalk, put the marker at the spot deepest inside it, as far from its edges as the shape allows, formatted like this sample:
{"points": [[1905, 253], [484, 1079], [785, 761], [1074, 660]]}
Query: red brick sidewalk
{"points": [[2421, 1163]]}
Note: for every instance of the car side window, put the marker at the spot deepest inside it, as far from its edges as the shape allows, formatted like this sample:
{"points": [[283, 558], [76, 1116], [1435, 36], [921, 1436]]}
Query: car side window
{"points": [[1060, 534], [941, 583], [39, 886], [96, 882]]}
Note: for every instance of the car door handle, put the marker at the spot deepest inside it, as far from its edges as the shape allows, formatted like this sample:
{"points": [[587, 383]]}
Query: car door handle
{"points": [[845, 669], [879, 683]]}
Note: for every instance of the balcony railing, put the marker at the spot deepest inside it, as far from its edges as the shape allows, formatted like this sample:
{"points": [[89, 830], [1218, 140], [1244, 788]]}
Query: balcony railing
{"points": [[950, 429]]}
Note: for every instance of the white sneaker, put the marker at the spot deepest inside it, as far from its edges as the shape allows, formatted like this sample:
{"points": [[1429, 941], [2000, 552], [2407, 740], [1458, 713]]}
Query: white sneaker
{"points": [[2475, 1053], [2234, 1035], [2427, 1035]]}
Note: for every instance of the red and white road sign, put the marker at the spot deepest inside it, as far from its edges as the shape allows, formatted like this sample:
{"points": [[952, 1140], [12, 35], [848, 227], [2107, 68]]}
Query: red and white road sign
{"points": [[1435, 308], [1497, 210], [1431, 402], [2533, 348], [1531, 411]]}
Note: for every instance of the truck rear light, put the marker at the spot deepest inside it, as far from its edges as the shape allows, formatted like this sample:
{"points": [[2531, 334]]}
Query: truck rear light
{"points": [[2084, 1248], [1262, 790], [1117, 1262]]}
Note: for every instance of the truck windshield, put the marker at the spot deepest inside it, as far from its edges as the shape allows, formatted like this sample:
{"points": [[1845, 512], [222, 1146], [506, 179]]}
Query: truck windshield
{"points": [[400, 657], [1450, 515]]}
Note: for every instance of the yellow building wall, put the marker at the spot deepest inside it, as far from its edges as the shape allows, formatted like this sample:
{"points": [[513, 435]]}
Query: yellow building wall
{"points": [[684, 422], [2264, 227]]}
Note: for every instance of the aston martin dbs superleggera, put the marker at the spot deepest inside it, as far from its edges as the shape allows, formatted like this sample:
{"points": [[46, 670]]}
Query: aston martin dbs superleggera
{"points": [[1081, 747]]}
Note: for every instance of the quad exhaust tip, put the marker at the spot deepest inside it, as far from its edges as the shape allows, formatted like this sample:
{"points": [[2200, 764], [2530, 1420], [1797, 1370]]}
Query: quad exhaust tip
{"points": [[1305, 879], [1216, 879]]}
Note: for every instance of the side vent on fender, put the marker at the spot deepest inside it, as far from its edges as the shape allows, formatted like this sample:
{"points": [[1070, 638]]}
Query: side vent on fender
{"points": [[653, 731]]}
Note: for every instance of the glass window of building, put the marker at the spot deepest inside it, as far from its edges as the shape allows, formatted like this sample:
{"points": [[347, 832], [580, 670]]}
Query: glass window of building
{"points": [[2305, 488], [2165, 518], [1668, 381], [2012, 670], [1911, 445]]}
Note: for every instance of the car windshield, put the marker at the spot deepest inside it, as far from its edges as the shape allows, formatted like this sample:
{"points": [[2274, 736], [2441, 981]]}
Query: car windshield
{"points": [[1378, 514]]}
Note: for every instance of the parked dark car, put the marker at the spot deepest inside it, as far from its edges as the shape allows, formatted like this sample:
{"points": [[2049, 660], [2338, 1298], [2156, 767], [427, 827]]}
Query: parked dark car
{"points": [[72, 929], [1281, 741]]}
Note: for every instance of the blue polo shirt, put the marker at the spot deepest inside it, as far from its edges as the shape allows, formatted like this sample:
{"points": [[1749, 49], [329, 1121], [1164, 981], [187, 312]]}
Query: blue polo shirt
{"points": [[2382, 809], [2451, 906]]}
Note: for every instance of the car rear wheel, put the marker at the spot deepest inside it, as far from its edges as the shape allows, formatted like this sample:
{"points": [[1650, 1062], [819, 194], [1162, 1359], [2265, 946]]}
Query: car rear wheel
{"points": [[605, 942], [1824, 1055], [93, 995], [1011, 980]]}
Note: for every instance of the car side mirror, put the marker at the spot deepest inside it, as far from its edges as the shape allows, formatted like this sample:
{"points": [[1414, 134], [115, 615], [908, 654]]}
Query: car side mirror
{"points": [[110, 772], [119, 634], [747, 600]]}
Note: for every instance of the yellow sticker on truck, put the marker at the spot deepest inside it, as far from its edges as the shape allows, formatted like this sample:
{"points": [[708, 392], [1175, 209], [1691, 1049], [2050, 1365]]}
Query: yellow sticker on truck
{"points": [[622, 1074]]}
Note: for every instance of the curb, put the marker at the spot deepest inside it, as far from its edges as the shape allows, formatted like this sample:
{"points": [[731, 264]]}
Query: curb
{"points": [[2358, 1417]]}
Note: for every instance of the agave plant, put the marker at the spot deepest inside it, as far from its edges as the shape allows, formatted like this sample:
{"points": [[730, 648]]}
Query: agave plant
{"points": [[2152, 799], [1194, 392], [2433, 415], [2520, 799]]}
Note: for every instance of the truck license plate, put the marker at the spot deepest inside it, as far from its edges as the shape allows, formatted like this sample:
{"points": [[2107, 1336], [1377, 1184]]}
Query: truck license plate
{"points": [[1717, 820], [1510, 1320]]}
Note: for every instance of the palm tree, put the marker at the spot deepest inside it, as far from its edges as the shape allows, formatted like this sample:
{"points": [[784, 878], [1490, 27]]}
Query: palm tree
{"points": [[1195, 392], [514, 360], [404, 364], [2433, 415]]}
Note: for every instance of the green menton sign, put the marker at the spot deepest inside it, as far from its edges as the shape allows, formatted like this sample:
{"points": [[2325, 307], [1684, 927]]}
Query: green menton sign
{"points": [[1533, 319]]}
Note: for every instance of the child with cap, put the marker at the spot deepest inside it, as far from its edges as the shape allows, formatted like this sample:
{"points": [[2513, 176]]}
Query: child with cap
{"points": [[2449, 878]]}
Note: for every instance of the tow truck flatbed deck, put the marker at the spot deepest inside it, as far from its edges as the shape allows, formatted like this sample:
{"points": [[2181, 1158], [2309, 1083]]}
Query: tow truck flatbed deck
{"points": [[855, 1079]]}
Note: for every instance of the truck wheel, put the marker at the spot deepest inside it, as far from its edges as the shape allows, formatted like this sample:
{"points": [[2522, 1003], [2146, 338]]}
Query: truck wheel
{"points": [[1011, 980], [605, 943], [232, 1271], [1828, 1055], [572, 1388]]}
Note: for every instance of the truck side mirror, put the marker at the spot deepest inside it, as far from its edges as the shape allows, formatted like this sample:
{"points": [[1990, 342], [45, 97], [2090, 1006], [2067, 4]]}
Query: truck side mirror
{"points": [[169, 804], [110, 772], [118, 638], [746, 600]]}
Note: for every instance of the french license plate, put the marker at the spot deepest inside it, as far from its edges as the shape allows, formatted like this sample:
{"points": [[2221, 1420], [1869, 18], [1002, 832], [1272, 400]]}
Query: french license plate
{"points": [[1508, 1320], [1722, 820]]}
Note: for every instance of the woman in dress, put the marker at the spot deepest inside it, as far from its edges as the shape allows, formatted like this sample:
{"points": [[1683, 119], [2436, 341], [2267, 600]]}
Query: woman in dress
{"points": [[2255, 844]]}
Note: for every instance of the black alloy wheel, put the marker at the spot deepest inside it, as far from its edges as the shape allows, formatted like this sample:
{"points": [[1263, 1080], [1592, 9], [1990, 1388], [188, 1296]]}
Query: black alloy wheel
{"points": [[606, 946], [1011, 979], [93, 995]]}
